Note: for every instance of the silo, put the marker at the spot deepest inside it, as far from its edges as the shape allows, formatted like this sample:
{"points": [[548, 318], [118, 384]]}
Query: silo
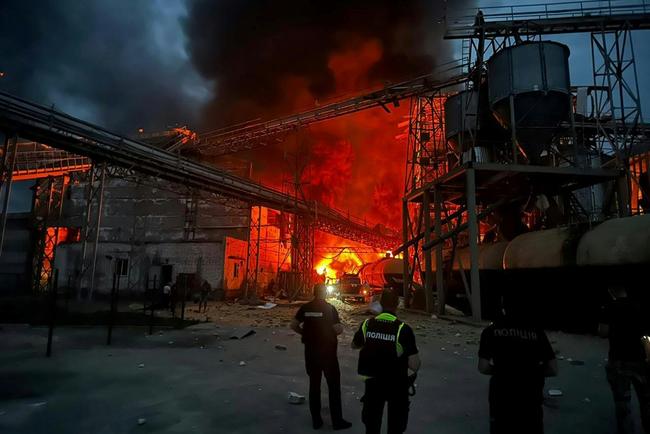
{"points": [[467, 115], [529, 92]]}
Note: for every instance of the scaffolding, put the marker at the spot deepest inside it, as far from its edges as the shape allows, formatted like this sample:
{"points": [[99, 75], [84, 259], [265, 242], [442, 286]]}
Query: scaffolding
{"points": [[449, 194]]}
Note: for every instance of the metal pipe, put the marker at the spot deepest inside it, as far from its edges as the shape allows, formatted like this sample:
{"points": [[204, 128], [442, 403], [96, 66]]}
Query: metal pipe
{"points": [[513, 129]]}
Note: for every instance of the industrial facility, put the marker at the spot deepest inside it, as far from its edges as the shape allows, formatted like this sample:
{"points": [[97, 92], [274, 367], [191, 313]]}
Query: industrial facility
{"points": [[182, 181], [512, 170]]}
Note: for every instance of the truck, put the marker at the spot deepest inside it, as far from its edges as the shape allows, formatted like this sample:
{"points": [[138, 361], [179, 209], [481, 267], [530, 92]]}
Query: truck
{"points": [[349, 287]]}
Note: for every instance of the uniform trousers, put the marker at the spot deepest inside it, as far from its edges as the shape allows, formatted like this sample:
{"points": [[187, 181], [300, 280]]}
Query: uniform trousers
{"points": [[379, 392], [516, 407], [319, 363], [621, 377]]}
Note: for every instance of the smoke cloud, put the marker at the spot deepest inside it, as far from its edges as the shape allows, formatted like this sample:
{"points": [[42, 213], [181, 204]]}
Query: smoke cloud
{"points": [[209, 63], [120, 63], [275, 57], [256, 50]]}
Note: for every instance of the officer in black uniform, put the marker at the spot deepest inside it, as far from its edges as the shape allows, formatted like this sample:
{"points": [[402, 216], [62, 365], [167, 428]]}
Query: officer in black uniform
{"points": [[517, 354], [388, 352], [320, 328], [626, 322]]}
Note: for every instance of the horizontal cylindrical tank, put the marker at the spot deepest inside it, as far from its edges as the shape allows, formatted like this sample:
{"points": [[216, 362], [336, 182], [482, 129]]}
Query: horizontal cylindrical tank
{"points": [[541, 249], [386, 271], [536, 76], [621, 241], [490, 257]]}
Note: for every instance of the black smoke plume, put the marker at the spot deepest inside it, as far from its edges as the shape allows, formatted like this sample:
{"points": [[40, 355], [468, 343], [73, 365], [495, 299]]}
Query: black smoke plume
{"points": [[251, 47]]}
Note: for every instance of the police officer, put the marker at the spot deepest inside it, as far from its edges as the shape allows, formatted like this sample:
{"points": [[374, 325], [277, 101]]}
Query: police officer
{"points": [[627, 324], [388, 352], [318, 323], [516, 352]]}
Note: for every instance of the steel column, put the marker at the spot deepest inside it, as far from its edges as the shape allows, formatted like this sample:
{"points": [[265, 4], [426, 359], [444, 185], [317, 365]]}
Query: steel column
{"points": [[472, 223], [428, 269], [406, 274], [100, 207], [253, 252]]}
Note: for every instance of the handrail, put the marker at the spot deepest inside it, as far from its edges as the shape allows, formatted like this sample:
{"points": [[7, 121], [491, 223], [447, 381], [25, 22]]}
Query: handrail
{"points": [[585, 8]]}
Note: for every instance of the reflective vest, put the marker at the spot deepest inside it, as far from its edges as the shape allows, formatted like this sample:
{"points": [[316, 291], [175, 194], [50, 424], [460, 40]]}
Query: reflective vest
{"points": [[381, 355]]}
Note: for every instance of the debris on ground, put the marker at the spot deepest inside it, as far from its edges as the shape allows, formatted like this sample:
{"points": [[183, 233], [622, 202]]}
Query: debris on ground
{"points": [[294, 398], [555, 392], [242, 334], [141, 365], [142, 421], [281, 347], [267, 306], [242, 363]]}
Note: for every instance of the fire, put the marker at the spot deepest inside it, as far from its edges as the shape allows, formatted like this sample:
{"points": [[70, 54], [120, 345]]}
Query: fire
{"points": [[336, 256], [333, 267]]}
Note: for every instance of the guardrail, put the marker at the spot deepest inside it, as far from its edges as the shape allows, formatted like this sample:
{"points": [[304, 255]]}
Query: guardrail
{"points": [[539, 11]]}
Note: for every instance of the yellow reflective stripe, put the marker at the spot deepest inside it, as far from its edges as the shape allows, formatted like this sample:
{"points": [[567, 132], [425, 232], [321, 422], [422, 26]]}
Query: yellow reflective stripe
{"points": [[364, 328], [400, 350], [385, 317]]}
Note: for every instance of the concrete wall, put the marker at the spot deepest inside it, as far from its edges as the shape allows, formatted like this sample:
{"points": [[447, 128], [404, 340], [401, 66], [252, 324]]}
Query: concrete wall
{"points": [[136, 213], [202, 258], [234, 271], [16, 258], [146, 225]]}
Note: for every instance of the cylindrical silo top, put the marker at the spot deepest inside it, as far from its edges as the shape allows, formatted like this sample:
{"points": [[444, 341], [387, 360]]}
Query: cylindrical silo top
{"points": [[529, 67]]}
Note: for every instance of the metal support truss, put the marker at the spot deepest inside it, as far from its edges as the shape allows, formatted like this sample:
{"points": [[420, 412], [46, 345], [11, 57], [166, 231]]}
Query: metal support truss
{"points": [[302, 254], [191, 211], [257, 134], [8, 163], [427, 152], [614, 69], [91, 226], [253, 252], [48, 205], [428, 157], [56, 129]]}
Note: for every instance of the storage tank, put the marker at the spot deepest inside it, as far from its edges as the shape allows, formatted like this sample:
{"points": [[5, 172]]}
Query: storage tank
{"points": [[536, 75], [490, 257], [460, 119], [552, 248], [461, 111], [621, 241], [385, 272]]}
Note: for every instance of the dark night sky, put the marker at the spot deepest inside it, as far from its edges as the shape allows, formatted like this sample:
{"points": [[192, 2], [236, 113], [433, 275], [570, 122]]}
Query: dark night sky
{"points": [[151, 64], [119, 63], [128, 64]]}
